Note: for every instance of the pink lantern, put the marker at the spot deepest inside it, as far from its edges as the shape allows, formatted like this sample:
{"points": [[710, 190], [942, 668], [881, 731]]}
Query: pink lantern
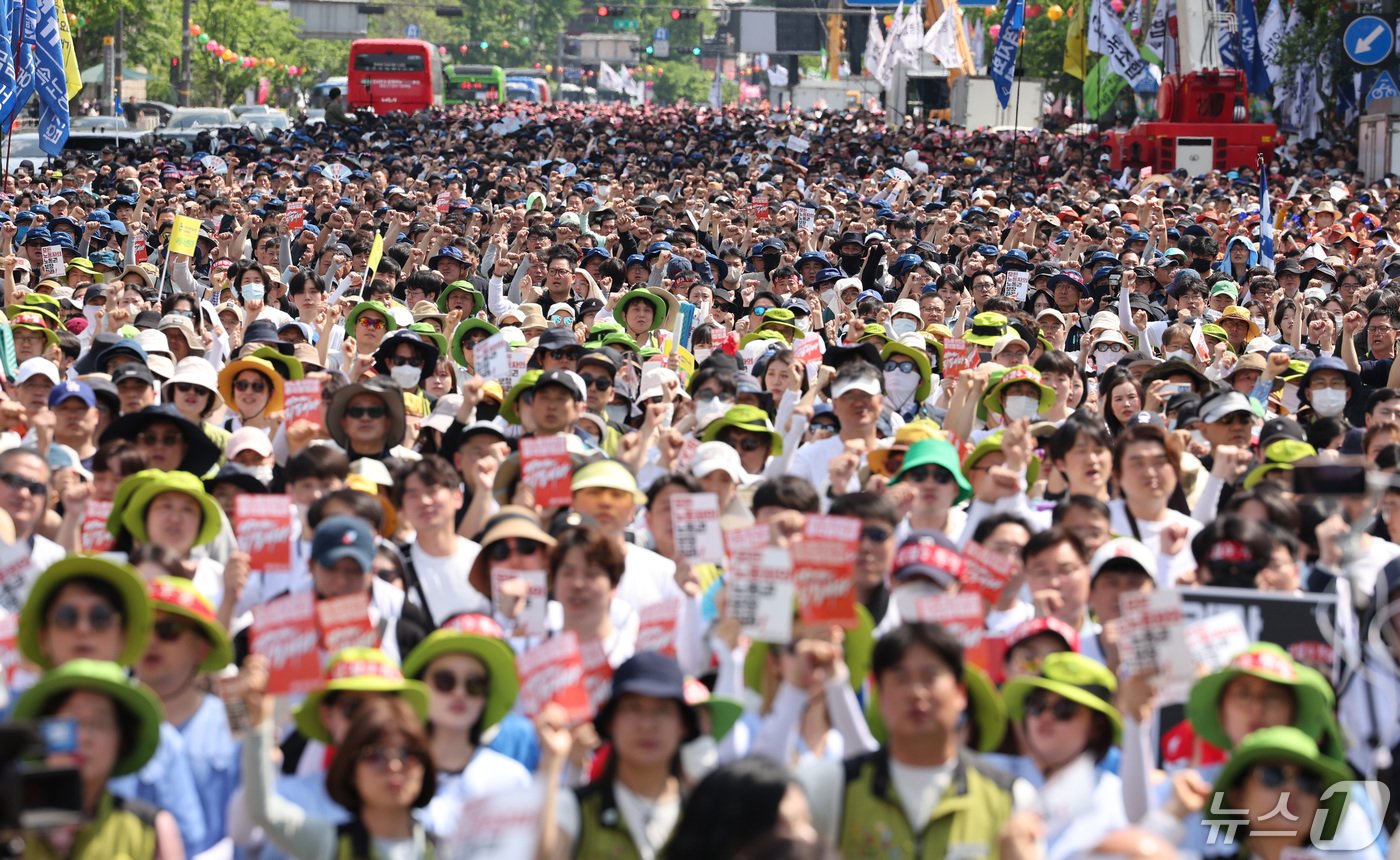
{"points": [[1117, 7], [1033, 12], [212, 47], [995, 31]]}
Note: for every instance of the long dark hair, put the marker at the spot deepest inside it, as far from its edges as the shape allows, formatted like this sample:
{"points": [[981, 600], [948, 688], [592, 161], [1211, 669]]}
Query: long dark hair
{"points": [[733, 808], [374, 721]]}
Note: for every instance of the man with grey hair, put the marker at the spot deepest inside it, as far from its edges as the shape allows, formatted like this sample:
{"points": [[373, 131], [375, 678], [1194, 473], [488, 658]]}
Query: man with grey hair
{"points": [[24, 493]]}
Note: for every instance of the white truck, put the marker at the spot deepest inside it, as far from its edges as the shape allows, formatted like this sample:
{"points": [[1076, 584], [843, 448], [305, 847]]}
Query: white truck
{"points": [[835, 95], [975, 103]]}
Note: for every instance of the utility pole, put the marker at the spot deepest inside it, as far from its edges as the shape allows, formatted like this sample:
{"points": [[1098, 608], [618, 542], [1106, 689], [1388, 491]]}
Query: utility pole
{"points": [[119, 49], [182, 95], [835, 30]]}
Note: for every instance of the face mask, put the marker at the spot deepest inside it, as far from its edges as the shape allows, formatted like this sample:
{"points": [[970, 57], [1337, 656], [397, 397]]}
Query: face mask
{"points": [[1180, 355], [1258, 322], [699, 757], [1329, 402], [1020, 406], [617, 412], [405, 376], [908, 594], [1290, 396], [851, 263], [1103, 359], [829, 297], [708, 410], [903, 326], [701, 353], [253, 292], [900, 388], [90, 314], [801, 323]]}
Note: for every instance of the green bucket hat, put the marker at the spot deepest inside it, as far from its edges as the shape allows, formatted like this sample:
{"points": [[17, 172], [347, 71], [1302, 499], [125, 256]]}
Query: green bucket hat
{"points": [[984, 705], [724, 715], [1071, 676], [527, 382], [622, 339], [360, 309], [477, 636], [1211, 330], [122, 497], [1279, 743], [919, 356], [782, 320], [859, 648], [600, 330], [288, 367], [179, 597], [461, 287], [1279, 456], [136, 608], [935, 452], [134, 516], [991, 401], [359, 670], [438, 339], [873, 331], [464, 328], [993, 443], [987, 328], [749, 418], [766, 334], [1262, 660], [105, 679], [657, 303]]}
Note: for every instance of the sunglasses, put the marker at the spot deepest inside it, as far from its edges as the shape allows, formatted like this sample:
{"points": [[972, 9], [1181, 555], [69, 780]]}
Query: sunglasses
{"points": [[383, 758], [1063, 710], [257, 386], [166, 440], [100, 618], [19, 483], [745, 443], [445, 681], [598, 383], [185, 387], [761, 310], [938, 475], [1274, 776], [371, 323], [824, 428], [560, 319], [905, 366], [564, 354], [405, 361], [504, 549], [367, 411], [167, 630]]}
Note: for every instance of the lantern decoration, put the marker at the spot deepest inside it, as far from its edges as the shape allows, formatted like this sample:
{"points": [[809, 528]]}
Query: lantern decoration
{"points": [[1117, 7], [461, 49], [549, 68], [994, 31], [1055, 12], [505, 43], [203, 38], [990, 13], [442, 50], [270, 63], [1034, 11], [195, 29], [212, 46]]}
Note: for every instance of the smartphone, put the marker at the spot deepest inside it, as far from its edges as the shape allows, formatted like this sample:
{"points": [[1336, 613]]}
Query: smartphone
{"points": [[60, 735], [1174, 388], [1330, 479]]}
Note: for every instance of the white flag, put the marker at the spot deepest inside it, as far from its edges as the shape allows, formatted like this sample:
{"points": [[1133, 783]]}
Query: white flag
{"points": [[609, 79], [716, 91], [874, 45], [1107, 37], [1270, 40], [884, 66], [1133, 19], [911, 36], [941, 40], [777, 76]]}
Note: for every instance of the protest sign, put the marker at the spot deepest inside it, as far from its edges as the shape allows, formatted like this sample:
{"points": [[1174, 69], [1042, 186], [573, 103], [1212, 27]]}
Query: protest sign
{"points": [[532, 618], [746, 543], [760, 207], [547, 469], [824, 569], [51, 261], [344, 622], [95, 536], [806, 218], [986, 573], [657, 629], [1015, 286], [695, 524], [284, 631], [958, 355], [263, 525], [597, 672], [296, 215], [443, 202], [552, 671], [808, 353], [184, 235], [960, 613], [1150, 630], [761, 595], [491, 359], [301, 400], [501, 825]]}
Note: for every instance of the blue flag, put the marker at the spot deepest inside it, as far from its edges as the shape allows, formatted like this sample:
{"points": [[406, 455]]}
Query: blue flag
{"points": [[1004, 53], [52, 81], [1266, 219], [1253, 56], [24, 27], [7, 54], [1229, 41]]}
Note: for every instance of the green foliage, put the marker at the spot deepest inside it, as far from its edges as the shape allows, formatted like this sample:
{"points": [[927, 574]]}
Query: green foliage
{"points": [[516, 34], [683, 80]]}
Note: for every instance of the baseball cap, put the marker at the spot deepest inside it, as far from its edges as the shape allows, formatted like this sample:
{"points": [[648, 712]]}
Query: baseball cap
{"points": [[930, 556], [37, 366], [568, 379], [1224, 403], [865, 382], [343, 537], [71, 389], [248, 439], [716, 457], [1121, 551]]}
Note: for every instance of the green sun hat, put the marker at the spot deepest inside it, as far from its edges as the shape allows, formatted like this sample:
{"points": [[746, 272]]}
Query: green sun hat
{"points": [[358, 670], [600, 330], [1211, 330], [1071, 676], [459, 334], [993, 443], [29, 319], [984, 705], [916, 353], [1296, 369], [426, 330], [766, 334], [1261, 660], [288, 367], [724, 715], [987, 328], [873, 331], [859, 649], [1280, 456], [750, 418], [622, 339], [110, 680], [364, 307], [122, 497], [992, 379], [180, 597], [647, 352], [134, 516], [783, 320], [1279, 743], [477, 636], [991, 401], [935, 452], [461, 287], [135, 609], [527, 382], [657, 303]]}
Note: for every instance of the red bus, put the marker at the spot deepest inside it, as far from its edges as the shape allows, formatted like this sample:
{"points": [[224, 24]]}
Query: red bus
{"points": [[394, 74]]}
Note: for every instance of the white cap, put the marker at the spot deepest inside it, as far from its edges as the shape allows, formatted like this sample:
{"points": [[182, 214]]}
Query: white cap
{"points": [[1105, 320], [376, 471], [248, 439], [848, 284], [444, 411], [714, 457], [908, 307], [1314, 252], [1052, 312], [37, 366], [1262, 343], [1006, 340], [655, 380], [1124, 548], [1110, 210], [1315, 293], [863, 382]]}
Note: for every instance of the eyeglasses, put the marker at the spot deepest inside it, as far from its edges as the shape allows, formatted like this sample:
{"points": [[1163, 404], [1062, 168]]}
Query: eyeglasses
{"points": [[405, 361], [937, 474], [905, 366], [504, 549], [599, 383], [445, 681], [168, 630], [366, 411], [824, 428], [165, 440], [1274, 776], [384, 758], [1334, 384], [1109, 347], [19, 483], [561, 272], [371, 323], [745, 443], [1063, 710], [100, 618], [1379, 329], [876, 534], [257, 386]]}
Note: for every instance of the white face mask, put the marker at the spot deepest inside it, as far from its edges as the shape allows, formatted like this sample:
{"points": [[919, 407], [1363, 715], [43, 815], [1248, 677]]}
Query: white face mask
{"points": [[908, 594], [903, 326], [900, 388], [708, 410], [90, 314], [1103, 359], [252, 292], [1329, 402], [829, 297], [1180, 355], [701, 353], [1199, 438], [801, 323], [1020, 406], [405, 376], [617, 412]]}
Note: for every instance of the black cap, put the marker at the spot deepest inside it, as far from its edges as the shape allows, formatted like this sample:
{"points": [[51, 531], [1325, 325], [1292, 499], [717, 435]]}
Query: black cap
{"points": [[133, 370], [1288, 266], [557, 338], [569, 380], [1280, 428]]}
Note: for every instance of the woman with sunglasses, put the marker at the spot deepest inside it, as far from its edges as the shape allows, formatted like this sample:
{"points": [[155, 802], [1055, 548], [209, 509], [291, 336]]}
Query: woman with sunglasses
{"points": [[472, 686], [931, 469], [380, 773], [1069, 725], [513, 542], [252, 388], [194, 389]]}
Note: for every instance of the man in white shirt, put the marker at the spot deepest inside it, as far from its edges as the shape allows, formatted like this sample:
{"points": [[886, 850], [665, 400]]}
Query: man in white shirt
{"points": [[857, 394], [606, 491], [430, 495]]}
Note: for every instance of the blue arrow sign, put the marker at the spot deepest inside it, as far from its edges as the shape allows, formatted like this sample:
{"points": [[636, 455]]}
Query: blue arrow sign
{"points": [[1369, 40], [411, 31]]}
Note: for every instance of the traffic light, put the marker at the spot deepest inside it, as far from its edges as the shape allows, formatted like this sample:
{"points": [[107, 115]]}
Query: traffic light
{"points": [[695, 51], [675, 14], [602, 11], [684, 14]]}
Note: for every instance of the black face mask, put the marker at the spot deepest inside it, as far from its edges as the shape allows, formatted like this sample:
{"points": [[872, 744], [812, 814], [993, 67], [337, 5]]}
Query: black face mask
{"points": [[771, 261], [851, 263], [1202, 266]]}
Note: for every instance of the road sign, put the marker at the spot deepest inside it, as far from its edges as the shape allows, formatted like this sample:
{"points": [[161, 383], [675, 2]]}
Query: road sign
{"points": [[1383, 88], [1369, 40], [411, 31], [661, 34], [661, 49]]}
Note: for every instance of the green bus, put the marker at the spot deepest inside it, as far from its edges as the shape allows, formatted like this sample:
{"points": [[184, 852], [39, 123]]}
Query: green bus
{"points": [[466, 83]]}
